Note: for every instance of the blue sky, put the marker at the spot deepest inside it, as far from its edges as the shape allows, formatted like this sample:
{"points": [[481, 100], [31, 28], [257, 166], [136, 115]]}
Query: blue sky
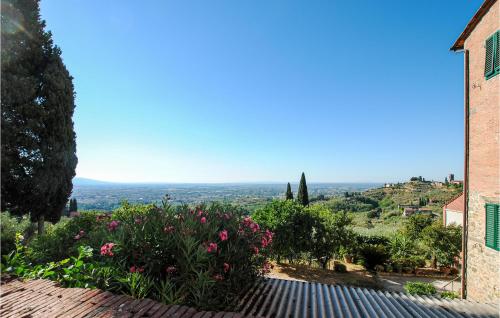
{"points": [[261, 90]]}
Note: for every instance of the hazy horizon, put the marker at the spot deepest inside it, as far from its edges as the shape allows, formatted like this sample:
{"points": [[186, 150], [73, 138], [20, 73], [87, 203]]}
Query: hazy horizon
{"points": [[84, 179]]}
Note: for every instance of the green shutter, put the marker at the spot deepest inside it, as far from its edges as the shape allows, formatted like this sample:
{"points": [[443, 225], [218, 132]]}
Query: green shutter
{"points": [[496, 57], [492, 58], [492, 236]]}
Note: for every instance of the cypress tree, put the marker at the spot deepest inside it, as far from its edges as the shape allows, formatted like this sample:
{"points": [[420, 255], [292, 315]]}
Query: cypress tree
{"points": [[289, 193], [302, 195], [38, 139], [73, 205]]}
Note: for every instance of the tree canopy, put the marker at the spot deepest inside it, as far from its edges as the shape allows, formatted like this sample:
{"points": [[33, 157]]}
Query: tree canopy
{"points": [[289, 193], [38, 139], [302, 195]]}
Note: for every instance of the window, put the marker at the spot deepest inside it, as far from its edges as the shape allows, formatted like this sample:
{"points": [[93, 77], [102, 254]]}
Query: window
{"points": [[492, 60], [493, 226]]}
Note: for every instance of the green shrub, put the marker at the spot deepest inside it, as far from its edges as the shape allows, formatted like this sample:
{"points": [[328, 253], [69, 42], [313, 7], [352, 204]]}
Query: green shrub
{"points": [[372, 255], [420, 288], [449, 295], [339, 267], [9, 226], [59, 241]]}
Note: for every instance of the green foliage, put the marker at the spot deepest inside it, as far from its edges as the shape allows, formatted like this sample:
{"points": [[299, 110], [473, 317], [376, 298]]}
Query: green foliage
{"points": [[420, 288], [449, 295], [9, 226], [70, 272], [137, 285], [329, 232], [416, 224], [371, 255], [289, 193], [60, 241], [442, 243], [276, 213], [401, 247], [353, 203], [314, 232], [302, 194], [37, 138], [73, 205]]}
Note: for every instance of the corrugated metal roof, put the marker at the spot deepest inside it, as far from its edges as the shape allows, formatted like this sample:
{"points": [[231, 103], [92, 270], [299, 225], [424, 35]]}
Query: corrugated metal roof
{"points": [[285, 298]]}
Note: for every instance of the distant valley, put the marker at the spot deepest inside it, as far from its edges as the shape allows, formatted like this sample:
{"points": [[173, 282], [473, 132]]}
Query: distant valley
{"points": [[100, 195]]}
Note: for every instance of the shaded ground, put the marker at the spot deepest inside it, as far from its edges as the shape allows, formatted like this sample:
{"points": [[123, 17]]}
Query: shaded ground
{"points": [[356, 275]]}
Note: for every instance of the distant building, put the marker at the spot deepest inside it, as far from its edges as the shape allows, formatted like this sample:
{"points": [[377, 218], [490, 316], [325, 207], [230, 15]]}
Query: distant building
{"points": [[457, 182], [451, 177], [480, 43], [437, 184], [409, 211], [453, 211]]}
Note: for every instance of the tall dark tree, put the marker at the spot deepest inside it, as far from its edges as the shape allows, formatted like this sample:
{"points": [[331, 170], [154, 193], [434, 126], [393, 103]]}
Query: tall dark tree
{"points": [[73, 205], [302, 195], [38, 139], [289, 193]]}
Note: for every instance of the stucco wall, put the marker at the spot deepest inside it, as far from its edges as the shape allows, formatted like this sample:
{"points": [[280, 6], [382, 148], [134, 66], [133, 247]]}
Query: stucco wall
{"points": [[453, 217], [483, 263]]}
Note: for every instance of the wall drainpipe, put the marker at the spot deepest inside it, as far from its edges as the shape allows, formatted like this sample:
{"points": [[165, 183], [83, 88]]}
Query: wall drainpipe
{"points": [[463, 273]]}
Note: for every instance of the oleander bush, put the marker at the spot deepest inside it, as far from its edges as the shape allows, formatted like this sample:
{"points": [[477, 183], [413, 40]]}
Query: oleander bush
{"points": [[202, 257]]}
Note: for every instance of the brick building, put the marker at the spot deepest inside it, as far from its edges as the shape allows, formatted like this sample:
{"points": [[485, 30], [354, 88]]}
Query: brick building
{"points": [[480, 43]]}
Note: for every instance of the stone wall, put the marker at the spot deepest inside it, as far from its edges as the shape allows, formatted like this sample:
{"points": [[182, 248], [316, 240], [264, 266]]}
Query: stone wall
{"points": [[483, 263]]}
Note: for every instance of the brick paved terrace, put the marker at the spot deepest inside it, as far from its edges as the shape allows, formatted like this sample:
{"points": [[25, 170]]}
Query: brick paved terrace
{"points": [[44, 298]]}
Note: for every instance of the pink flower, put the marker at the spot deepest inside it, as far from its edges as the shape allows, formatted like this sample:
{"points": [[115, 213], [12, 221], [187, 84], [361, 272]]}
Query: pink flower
{"points": [[200, 213], [80, 235], [135, 269], [264, 242], [226, 267], [203, 220], [218, 277], [223, 235], [107, 249], [212, 247], [255, 250], [269, 235], [254, 227], [171, 269], [169, 229], [113, 225]]}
